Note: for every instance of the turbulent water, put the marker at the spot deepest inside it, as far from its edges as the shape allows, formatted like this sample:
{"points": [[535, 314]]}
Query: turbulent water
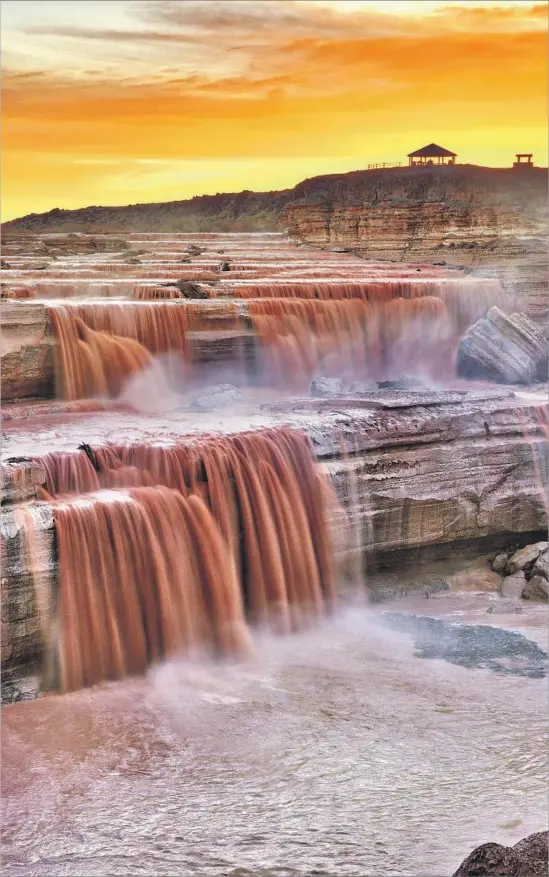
{"points": [[332, 752]]}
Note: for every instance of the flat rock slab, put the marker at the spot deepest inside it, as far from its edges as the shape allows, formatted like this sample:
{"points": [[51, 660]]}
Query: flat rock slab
{"points": [[389, 399]]}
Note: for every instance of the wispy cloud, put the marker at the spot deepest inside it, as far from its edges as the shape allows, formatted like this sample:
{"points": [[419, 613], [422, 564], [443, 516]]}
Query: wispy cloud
{"points": [[274, 81]]}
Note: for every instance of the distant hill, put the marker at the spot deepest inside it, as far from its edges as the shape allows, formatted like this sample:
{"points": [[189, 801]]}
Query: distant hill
{"points": [[525, 191]]}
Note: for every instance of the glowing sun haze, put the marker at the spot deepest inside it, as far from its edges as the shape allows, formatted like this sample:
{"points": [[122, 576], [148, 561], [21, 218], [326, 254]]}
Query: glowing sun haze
{"points": [[129, 101]]}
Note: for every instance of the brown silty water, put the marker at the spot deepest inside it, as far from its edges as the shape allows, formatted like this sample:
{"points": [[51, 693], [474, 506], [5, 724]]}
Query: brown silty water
{"points": [[193, 737]]}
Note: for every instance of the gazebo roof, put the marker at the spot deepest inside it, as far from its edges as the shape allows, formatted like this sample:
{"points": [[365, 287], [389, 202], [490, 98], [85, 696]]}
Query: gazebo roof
{"points": [[432, 151]]}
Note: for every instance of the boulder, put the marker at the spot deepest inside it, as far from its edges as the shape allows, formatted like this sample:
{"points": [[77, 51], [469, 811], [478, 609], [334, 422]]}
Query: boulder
{"points": [[499, 562], [188, 289], [512, 586], [328, 387], [541, 566], [536, 589], [218, 396], [528, 858], [525, 556], [508, 348]]}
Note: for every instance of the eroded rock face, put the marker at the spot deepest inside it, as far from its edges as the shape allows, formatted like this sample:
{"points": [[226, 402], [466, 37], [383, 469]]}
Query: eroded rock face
{"points": [[528, 858], [474, 218], [505, 348], [513, 586], [26, 352], [425, 470]]}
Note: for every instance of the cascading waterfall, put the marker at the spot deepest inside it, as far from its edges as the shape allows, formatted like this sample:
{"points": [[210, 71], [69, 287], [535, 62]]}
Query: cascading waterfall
{"points": [[167, 549], [466, 299], [100, 345], [299, 339]]}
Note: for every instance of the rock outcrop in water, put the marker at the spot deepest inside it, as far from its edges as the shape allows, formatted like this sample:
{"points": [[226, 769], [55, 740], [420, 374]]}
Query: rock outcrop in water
{"points": [[528, 858], [508, 348]]}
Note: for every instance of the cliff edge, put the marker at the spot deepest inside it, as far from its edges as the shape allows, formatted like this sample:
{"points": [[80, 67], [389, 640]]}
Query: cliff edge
{"points": [[492, 220]]}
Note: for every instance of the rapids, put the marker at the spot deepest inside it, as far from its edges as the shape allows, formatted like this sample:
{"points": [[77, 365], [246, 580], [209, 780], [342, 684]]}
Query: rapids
{"points": [[334, 752]]}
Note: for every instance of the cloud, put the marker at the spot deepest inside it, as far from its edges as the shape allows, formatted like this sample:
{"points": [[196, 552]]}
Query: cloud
{"points": [[269, 81]]}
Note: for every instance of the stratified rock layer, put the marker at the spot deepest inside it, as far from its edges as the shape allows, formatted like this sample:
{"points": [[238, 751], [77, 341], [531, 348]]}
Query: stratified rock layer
{"points": [[506, 348], [415, 472], [487, 219]]}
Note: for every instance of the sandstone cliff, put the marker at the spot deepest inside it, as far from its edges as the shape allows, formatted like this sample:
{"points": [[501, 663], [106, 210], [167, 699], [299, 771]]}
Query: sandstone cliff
{"points": [[492, 220]]}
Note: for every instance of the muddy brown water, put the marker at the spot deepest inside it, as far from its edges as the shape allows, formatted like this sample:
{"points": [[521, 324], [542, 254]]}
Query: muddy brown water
{"points": [[332, 752]]}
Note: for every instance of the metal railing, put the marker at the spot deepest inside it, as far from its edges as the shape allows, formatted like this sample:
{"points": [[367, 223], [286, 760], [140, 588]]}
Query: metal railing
{"points": [[372, 167]]}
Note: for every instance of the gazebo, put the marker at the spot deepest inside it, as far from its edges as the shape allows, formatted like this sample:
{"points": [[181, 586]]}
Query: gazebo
{"points": [[431, 154]]}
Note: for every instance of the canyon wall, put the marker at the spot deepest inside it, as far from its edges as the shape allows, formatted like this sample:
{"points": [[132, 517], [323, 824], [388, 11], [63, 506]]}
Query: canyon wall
{"points": [[493, 221]]}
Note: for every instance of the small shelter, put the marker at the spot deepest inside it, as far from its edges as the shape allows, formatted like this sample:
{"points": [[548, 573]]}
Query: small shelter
{"points": [[431, 154], [524, 160]]}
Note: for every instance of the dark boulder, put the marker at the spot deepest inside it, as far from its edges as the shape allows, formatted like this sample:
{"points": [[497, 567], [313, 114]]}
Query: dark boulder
{"points": [[528, 858], [188, 289]]}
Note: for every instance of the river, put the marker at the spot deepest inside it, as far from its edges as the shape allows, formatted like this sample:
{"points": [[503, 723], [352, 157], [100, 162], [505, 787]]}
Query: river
{"points": [[335, 752]]}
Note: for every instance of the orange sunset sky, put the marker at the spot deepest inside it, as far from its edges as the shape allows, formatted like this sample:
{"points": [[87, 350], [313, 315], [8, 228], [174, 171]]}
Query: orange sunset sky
{"points": [[125, 101]]}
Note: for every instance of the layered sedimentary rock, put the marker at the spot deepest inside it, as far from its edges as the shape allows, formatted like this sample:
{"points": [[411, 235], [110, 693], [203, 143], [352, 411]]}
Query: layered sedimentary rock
{"points": [[482, 218], [489, 219], [414, 471], [506, 348]]}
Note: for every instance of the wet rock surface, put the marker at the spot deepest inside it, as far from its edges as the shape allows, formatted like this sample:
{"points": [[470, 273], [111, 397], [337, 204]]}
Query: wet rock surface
{"points": [[327, 387], [528, 858], [513, 585], [536, 589], [504, 348], [475, 646], [188, 289], [218, 396], [403, 383], [505, 607]]}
